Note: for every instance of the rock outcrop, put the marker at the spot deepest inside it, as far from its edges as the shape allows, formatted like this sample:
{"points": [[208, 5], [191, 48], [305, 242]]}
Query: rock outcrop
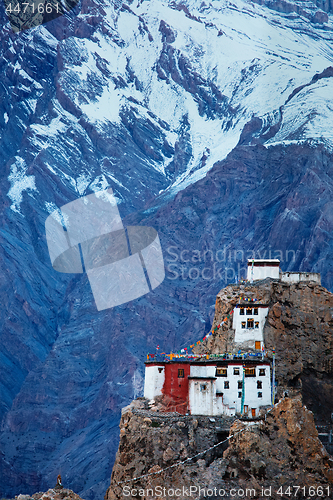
{"points": [[299, 327], [160, 451], [51, 494]]}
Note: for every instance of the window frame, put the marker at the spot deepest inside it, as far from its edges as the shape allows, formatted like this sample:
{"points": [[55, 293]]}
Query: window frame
{"points": [[250, 322], [250, 372]]}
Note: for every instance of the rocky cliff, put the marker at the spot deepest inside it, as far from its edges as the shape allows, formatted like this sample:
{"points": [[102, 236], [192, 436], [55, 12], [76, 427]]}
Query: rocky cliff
{"points": [[51, 494], [282, 449], [148, 98], [180, 453], [299, 326]]}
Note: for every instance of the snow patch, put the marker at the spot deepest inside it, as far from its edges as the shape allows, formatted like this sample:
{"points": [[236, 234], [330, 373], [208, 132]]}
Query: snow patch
{"points": [[106, 107], [19, 182]]}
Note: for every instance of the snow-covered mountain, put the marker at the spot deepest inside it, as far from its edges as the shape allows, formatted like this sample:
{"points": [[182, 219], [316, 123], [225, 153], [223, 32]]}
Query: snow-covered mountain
{"points": [[212, 122]]}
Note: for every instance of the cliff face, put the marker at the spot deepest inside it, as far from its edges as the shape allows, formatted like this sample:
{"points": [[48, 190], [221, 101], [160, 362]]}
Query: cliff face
{"points": [[282, 450], [299, 326], [160, 449]]}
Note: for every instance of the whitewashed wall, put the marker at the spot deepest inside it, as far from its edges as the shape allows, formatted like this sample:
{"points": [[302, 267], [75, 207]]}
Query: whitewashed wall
{"points": [[230, 396], [201, 401], [154, 381], [205, 402], [297, 277], [262, 272], [247, 334]]}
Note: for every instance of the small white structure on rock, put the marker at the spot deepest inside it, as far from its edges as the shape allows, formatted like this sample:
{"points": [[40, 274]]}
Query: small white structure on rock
{"points": [[260, 269], [297, 277], [248, 322]]}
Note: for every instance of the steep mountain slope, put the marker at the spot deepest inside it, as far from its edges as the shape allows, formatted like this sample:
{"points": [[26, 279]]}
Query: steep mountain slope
{"points": [[145, 98]]}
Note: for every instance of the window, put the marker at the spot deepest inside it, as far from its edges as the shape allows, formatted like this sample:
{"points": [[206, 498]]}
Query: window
{"points": [[250, 372], [160, 370], [243, 324], [221, 372], [259, 394], [257, 345], [262, 372], [241, 311], [236, 371], [239, 394], [226, 385], [259, 384], [203, 387], [250, 323], [219, 395], [256, 324], [180, 373], [246, 408], [249, 311], [240, 384], [255, 311]]}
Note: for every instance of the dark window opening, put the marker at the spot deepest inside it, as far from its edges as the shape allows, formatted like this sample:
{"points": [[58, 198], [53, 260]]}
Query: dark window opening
{"points": [[250, 323], [236, 371], [243, 324], [160, 370], [241, 311], [203, 387], [221, 372], [255, 311], [259, 384], [256, 324], [262, 372], [181, 373], [239, 394], [259, 394], [249, 311], [250, 372], [226, 385], [240, 384]]}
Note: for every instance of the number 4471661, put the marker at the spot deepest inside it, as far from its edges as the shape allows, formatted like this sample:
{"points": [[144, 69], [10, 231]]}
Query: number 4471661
{"points": [[306, 491]]}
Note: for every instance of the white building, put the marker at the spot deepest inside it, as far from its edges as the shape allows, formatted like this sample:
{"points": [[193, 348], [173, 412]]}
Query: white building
{"points": [[297, 277], [259, 269], [211, 387], [248, 322], [154, 381]]}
